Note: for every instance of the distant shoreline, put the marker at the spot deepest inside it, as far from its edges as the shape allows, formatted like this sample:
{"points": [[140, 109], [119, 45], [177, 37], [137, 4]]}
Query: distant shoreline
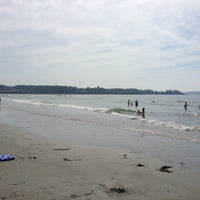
{"points": [[192, 93], [47, 89]]}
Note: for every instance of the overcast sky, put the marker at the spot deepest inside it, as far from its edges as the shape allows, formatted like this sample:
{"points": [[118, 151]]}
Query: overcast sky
{"points": [[144, 44]]}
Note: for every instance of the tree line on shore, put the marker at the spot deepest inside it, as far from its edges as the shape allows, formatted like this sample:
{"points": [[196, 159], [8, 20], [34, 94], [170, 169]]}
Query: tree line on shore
{"points": [[49, 89]]}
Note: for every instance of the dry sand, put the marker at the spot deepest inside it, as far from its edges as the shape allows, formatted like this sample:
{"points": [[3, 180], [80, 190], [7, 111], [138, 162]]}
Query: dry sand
{"points": [[45, 169]]}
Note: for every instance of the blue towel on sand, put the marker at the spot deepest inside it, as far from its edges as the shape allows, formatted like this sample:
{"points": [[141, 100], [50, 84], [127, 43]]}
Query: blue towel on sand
{"points": [[7, 157]]}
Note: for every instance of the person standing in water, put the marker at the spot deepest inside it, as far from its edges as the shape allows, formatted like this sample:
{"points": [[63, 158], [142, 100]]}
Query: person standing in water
{"points": [[185, 105], [129, 102], [143, 113], [136, 103]]}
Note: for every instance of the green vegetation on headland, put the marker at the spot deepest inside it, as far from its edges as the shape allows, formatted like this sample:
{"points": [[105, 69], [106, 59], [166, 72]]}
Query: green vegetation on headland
{"points": [[47, 89]]}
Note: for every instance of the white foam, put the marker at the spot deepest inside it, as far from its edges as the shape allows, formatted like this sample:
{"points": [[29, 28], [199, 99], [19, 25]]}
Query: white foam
{"points": [[174, 125], [60, 105]]}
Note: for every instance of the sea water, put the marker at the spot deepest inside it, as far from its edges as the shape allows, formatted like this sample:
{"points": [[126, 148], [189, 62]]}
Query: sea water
{"points": [[164, 114], [167, 132]]}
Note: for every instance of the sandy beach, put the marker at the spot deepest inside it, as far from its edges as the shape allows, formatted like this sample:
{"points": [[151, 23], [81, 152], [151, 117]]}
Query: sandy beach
{"points": [[45, 169], [57, 158]]}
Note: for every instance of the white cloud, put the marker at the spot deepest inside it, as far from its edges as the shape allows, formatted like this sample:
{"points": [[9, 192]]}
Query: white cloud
{"points": [[130, 39]]}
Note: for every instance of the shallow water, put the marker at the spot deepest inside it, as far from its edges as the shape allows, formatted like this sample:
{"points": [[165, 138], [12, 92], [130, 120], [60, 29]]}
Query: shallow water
{"points": [[165, 114]]}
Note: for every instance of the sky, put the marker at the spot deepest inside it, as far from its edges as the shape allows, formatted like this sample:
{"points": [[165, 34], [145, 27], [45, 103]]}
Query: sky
{"points": [[144, 44]]}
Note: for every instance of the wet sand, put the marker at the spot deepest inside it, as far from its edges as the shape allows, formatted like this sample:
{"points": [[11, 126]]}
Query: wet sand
{"points": [[50, 169]]}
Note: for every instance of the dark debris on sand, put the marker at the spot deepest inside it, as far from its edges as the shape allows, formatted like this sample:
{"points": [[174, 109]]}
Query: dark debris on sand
{"points": [[67, 159], [119, 189], [140, 165], [165, 168], [61, 149]]}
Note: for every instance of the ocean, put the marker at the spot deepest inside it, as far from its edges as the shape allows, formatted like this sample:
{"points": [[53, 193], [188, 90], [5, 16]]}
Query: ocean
{"points": [[164, 114], [168, 132]]}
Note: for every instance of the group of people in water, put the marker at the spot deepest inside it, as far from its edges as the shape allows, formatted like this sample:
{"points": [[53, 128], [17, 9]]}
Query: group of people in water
{"points": [[142, 113], [130, 103]]}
